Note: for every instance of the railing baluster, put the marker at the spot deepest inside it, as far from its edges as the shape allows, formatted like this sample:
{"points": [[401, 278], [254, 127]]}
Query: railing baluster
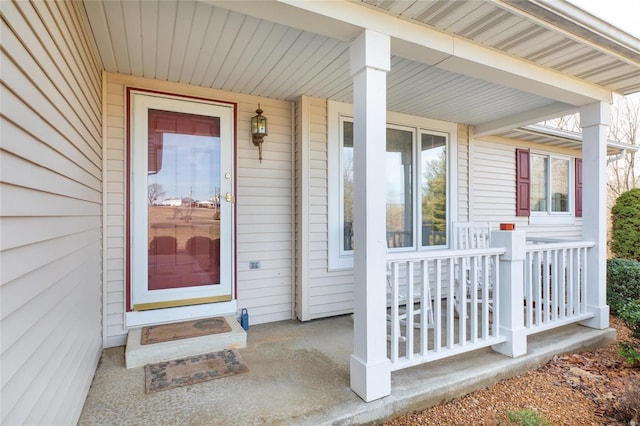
{"points": [[395, 313], [528, 289], [450, 308], [538, 272], [554, 285], [463, 313], [562, 271], [473, 297], [570, 282], [485, 297], [425, 305], [496, 296], [437, 330], [583, 282], [410, 310]]}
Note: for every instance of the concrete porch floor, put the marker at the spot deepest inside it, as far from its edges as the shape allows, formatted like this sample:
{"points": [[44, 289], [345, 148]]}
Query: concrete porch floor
{"points": [[299, 374]]}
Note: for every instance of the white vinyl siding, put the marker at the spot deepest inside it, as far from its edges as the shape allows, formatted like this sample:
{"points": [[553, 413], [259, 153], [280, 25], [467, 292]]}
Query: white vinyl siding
{"points": [[264, 203], [321, 292], [463, 174], [50, 212], [493, 189]]}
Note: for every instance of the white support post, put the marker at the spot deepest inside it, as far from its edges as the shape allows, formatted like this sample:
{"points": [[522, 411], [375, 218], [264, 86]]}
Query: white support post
{"points": [[370, 367], [511, 292], [594, 120]]}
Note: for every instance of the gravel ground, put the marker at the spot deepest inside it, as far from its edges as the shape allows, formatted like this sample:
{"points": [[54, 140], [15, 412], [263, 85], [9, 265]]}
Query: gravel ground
{"points": [[592, 388]]}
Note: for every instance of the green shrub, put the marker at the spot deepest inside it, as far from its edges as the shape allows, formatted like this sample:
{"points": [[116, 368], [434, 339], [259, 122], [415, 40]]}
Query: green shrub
{"points": [[623, 282], [625, 214], [630, 314], [629, 353]]}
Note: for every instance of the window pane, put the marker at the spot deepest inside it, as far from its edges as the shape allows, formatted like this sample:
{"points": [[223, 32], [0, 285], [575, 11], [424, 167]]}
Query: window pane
{"points": [[538, 183], [559, 185], [347, 185], [399, 171], [183, 215], [434, 190]]}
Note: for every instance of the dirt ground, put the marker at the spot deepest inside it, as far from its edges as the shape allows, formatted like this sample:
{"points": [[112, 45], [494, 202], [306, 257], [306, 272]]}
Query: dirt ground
{"points": [[592, 388]]}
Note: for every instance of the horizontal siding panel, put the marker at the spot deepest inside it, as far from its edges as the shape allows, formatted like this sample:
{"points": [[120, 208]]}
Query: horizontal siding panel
{"points": [[264, 220], [17, 232], [253, 279], [18, 292], [247, 256], [20, 172], [244, 208], [274, 293], [28, 202], [331, 290], [22, 260], [262, 317], [331, 309], [267, 237], [25, 135]]}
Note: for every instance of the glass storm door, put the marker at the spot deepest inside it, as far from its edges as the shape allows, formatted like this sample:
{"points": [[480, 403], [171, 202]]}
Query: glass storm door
{"points": [[181, 226]]}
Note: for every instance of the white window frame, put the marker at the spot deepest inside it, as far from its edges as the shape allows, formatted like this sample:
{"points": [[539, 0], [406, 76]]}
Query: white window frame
{"points": [[549, 217], [337, 112]]}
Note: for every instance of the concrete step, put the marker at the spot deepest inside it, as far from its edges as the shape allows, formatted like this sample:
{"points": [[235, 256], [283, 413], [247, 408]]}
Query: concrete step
{"points": [[137, 355]]}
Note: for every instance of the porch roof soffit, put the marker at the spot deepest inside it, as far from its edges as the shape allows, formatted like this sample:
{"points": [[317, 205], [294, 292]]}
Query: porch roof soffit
{"points": [[537, 133], [420, 43]]}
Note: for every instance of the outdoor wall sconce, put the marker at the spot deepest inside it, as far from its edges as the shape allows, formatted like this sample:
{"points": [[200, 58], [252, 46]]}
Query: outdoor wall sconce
{"points": [[259, 130]]}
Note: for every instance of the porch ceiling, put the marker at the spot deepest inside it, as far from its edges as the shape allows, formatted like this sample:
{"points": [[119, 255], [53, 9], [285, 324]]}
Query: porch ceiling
{"points": [[204, 44]]}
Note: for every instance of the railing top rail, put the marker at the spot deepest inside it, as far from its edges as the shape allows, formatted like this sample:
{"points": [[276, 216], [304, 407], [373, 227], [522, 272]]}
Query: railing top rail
{"points": [[443, 254], [559, 245]]}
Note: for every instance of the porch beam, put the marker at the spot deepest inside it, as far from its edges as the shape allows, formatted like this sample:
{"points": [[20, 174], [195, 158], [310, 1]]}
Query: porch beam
{"points": [[594, 120], [370, 367]]}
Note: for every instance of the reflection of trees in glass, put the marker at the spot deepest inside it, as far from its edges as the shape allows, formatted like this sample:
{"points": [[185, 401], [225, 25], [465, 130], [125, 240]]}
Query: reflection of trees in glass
{"points": [[154, 192], [559, 185], [347, 184], [348, 188], [348, 192], [434, 194]]}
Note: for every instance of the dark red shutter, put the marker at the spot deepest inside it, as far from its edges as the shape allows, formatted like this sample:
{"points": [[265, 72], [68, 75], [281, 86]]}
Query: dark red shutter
{"points": [[578, 187], [523, 183]]}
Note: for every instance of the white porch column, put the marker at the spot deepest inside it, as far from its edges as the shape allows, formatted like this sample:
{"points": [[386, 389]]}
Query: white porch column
{"points": [[511, 292], [370, 62], [594, 120]]}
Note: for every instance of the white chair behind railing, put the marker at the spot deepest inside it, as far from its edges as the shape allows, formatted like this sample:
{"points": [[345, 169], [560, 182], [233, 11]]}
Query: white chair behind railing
{"points": [[472, 235], [403, 300]]}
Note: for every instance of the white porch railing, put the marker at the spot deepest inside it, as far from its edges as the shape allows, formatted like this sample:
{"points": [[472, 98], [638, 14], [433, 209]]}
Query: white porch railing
{"points": [[446, 302], [441, 303], [555, 277]]}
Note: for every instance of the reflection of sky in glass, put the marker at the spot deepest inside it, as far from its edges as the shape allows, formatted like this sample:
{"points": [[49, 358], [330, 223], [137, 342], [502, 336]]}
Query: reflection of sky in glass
{"points": [[190, 166], [395, 178]]}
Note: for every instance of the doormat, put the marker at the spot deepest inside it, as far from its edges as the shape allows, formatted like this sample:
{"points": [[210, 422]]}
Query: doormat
{"points": [[183, 330], [191, 370]]}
